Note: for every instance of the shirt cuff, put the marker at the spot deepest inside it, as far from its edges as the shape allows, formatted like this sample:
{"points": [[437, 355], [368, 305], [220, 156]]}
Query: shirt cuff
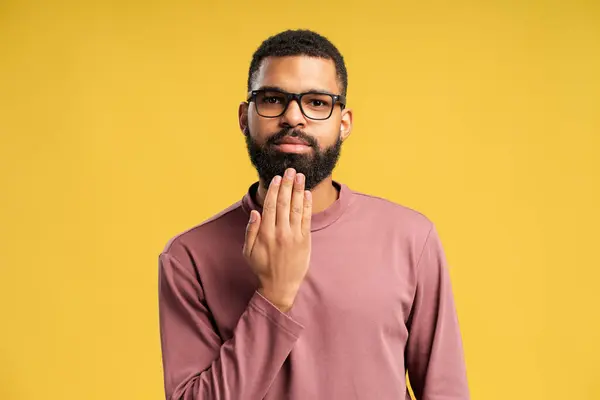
{"points": [[275, 315]]}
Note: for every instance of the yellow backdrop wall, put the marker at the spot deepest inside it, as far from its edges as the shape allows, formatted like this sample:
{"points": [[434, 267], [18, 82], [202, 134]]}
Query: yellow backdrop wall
{"points": [[118, 130]]}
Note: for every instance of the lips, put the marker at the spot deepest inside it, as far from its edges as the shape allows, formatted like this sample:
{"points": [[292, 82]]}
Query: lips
{"points": [[292, 140]]}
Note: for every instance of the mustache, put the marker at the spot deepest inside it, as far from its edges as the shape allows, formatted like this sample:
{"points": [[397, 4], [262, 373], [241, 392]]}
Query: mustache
{"points": [[285, 132]]}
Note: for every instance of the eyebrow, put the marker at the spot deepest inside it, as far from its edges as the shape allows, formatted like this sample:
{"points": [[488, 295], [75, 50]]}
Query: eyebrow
{"points": [[279, 89]]}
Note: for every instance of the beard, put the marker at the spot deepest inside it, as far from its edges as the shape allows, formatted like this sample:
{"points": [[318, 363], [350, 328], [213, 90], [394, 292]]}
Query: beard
{"points": [[269, 162]]}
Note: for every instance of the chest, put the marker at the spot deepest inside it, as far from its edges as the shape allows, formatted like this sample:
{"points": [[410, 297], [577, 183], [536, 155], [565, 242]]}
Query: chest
{"points": [[356, 287]]}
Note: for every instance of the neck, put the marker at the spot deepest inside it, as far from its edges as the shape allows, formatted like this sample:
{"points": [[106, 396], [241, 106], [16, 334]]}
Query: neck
{"points": [[323, 195]]}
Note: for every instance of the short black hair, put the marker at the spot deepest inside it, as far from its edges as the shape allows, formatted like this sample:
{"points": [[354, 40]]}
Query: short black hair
{"points": [[299, 42]]}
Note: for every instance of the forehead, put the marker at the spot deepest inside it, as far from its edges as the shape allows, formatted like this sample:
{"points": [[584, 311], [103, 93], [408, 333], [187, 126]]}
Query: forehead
{"points": [[297, 74]]}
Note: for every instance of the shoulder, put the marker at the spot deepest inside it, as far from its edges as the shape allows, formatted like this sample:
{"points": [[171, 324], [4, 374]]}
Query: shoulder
{"points": [[205, 234], [406, 227], [390, 213]]}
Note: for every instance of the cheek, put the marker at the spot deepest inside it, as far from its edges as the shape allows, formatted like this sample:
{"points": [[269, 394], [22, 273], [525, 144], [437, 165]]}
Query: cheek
{"points": [[326, 137], [260, 128]]}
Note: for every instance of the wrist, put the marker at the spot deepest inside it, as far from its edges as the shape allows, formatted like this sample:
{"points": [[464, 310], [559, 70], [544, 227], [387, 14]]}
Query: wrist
{"points": [[283, 300]]}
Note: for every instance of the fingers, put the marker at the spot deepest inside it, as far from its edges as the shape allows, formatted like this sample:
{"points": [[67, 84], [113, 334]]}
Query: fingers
{"points": [[284, 198], [284, 202], [297, 205], [251, 232], [307, 213], [269, 213]]}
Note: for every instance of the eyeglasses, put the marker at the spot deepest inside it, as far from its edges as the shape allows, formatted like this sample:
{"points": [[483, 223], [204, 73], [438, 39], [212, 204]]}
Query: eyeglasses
{"points": [[272, 103]]}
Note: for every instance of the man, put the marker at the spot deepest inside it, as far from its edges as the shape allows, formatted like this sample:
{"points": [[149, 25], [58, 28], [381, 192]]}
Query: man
{"points": [[306, 289]]}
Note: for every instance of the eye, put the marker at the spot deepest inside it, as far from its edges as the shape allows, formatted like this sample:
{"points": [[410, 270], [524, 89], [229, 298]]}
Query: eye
{"points": [[317, 101], [272, 100]]}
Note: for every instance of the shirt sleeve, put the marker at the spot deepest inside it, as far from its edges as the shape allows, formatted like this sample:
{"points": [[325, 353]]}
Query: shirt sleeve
{"points": [[197, 364], [434, 351]]}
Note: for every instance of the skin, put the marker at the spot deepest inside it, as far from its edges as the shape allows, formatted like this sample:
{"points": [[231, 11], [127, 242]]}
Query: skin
{"points": [[278, 242]]}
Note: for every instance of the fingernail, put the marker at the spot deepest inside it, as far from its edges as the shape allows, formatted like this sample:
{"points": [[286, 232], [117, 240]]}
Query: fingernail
{"points": [[299, 178], [290, 173], [276, 179], [308, 194], [252, 217]]}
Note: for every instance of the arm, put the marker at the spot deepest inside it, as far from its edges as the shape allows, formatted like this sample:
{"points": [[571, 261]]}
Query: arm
{"points": [[197, 364], [434, 352]]}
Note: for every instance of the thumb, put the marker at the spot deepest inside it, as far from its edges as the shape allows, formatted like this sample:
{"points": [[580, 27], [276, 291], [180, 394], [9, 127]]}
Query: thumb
{"points": [[251, 232]]}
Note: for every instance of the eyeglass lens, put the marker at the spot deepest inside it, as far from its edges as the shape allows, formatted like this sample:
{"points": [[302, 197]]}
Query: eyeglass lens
{"points": [[314, 105]]}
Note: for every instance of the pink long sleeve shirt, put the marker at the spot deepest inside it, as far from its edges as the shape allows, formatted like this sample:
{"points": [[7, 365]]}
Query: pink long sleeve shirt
{"points": [[376, 303]]}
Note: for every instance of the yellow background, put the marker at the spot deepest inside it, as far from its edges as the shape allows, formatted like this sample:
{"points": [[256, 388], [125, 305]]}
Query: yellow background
{"points": [[118, 130]]}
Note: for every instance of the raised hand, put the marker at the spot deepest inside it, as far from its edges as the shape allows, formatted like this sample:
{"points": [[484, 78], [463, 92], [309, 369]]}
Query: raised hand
{"points": [[278, 242]]}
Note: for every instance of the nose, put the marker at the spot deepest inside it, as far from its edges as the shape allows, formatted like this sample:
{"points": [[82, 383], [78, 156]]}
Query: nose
{"points": [[293, 115]]}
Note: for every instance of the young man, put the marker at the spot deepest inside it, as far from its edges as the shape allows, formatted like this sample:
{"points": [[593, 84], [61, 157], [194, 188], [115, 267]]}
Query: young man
{"points": [[306, 289]]}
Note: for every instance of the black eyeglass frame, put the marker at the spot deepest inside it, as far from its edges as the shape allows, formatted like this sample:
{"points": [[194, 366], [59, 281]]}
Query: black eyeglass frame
{"points": [[335, 99]]}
